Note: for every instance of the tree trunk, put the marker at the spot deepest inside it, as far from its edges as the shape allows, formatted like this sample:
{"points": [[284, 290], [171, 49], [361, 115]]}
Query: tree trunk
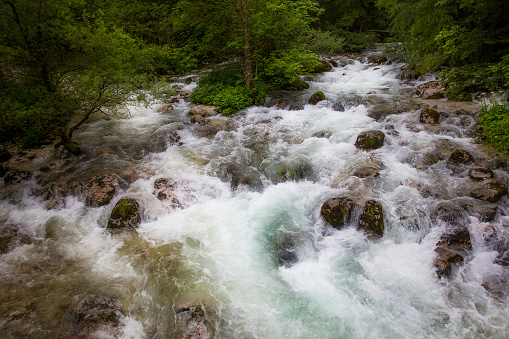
{"points": [[247, 62]]}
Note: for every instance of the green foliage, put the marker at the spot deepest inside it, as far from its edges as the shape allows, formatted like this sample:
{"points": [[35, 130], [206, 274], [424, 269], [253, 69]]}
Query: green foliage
{"points": [[279, 71], [324, 42], [494, 120], [475, 78], [224, 88]]}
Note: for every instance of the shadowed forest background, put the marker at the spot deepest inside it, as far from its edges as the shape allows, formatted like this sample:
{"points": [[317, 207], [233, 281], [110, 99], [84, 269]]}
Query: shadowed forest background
{"points": [[62, 61]]}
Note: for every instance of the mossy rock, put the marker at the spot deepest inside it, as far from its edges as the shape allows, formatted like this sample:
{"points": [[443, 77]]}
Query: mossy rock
{"points": [[297, 85], [73, 148], [126, 214], [460, 156], [337, 211], [429, 116], [16, 177], [490, 191], [316, 98], [372, 217], [294, 173], [370, 140], [323, 66], [333, 62]]}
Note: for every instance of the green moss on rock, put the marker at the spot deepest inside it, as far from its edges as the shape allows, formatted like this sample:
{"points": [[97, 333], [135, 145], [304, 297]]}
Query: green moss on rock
{"points": [[372, 217], [337, 211], [370, 140], [316, 98], [125, 214]]}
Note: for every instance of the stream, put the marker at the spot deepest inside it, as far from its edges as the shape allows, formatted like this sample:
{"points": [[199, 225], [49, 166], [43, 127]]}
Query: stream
{"points": [[245, 238]]}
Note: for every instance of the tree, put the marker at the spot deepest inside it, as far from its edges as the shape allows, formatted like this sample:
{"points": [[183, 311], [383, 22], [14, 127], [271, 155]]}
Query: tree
{"points": [[61, 59]]}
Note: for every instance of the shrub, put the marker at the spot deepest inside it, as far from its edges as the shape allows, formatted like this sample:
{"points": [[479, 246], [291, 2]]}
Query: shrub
{"points": [[494, 120]]}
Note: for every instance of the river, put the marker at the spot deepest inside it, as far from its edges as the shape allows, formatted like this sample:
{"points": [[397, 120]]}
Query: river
{"points": [[250, 189]]}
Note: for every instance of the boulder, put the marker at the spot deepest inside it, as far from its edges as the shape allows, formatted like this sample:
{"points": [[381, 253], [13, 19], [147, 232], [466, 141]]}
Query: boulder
{"points": [[479, 174], [165, 109], [442, 267], [366, 172], [164, 189], [372, 217], [431, 90], [5, 155], [380, 60], [370, 140], [100, 190], [286, 249], [193, 322], [323, 66], [199, 119], [16, 177], [297, 85], [96, 309], [449, 213], [429, 116], [460, 156], [448, 255], [456, 239], [322, 134], [337, 211], [316, 98], [294, 172], [408, 72], [481, 210], [333, 63], [489, 190], [205, 111], [125, 214]]}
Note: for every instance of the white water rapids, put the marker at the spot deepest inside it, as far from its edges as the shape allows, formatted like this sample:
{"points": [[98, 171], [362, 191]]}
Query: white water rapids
{"points": [[221, 248]]}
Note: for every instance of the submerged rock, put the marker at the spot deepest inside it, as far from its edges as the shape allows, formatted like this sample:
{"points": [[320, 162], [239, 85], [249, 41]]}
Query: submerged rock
{"points": [[372, 217], [484, 211], [316, 98], [286, 248], [370, 140], [450, 213], [366, 172], [164, 189], [429, 116], [456, 238], [294, 172], [337, 211], [94, 309], [480, 173], [489, 190], [460, 156], [193, 322], [16, 177], [165, 109], [100, 190], [322, 134], [126, 214]]}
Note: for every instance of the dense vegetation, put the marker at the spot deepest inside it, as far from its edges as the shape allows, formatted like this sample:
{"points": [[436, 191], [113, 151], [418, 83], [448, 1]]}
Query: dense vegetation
{"points": [[62, 61]]}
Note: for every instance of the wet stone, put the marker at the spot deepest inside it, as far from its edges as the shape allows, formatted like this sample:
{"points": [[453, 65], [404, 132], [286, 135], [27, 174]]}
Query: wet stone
{"points": [[480, 173], [450, 213], [337, 211], [100, 190], [460, 156], [372, 217], [448, 255], [489, 190], [316, 98], [16, 177], [93, 309], [429, 116], [193, 322], [126, 214], [370, 140], [457, 238], [442, 267], [322, 134], [366, 172], [165, 109], [164, 189]]}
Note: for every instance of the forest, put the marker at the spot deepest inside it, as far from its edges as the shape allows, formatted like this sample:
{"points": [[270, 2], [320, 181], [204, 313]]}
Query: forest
{"points": [[62, 61]]}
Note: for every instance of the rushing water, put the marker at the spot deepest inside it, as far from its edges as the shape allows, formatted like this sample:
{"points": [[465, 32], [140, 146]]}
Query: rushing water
{"points": [[221, 248]]}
